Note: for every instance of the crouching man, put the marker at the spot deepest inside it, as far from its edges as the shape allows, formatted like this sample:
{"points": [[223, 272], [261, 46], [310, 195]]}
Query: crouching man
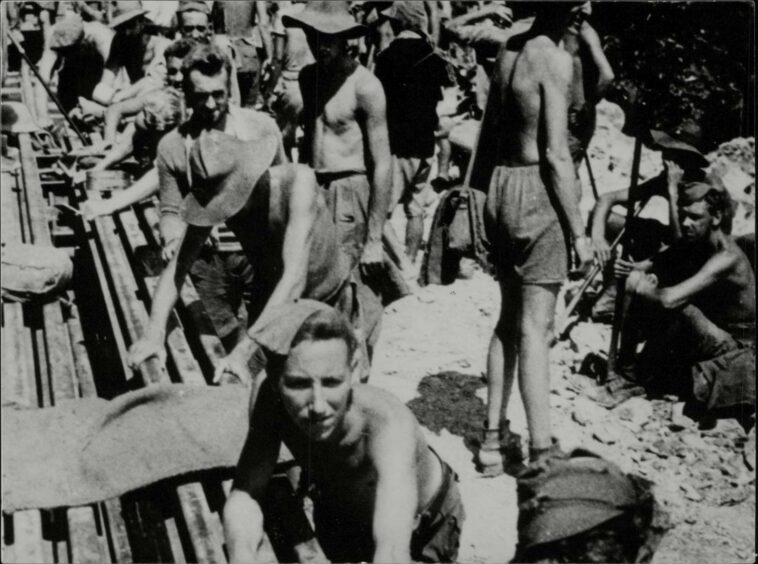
{"points": [[695, 308], [380, 493]]}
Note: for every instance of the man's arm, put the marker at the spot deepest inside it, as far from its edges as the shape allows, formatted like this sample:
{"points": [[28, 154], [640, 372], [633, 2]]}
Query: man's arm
{"points": [[555, 87], [605, 72], [261, 14], [298, 238], [145, 187], [243, 518], [373, 105], [171, 225], [46, 66], [166, 294], [718, 267], [393, 452]]}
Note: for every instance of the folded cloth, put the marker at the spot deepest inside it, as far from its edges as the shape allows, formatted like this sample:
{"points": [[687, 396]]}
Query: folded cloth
{"points": [[89, 450]]}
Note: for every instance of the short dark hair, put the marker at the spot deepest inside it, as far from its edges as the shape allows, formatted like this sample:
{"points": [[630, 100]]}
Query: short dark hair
{"points": [[208, 59], [719, 201], [180, 48], [325, 325]]}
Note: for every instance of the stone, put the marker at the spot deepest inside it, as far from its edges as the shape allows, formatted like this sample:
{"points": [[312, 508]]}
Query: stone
{"points": [[608, 433], [690, 492], [635, 411], [726, 428], [587, 412], [695, 442], [748, 451]]}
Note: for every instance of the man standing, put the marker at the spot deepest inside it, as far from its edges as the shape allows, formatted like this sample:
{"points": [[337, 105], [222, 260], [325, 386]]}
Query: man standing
{"points": [[413, 76], [694, 305], [532, 202], [346, 139], [380, 493]]}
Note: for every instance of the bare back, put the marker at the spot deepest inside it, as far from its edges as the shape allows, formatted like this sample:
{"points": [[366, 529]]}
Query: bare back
{"points": [[521, 80]]}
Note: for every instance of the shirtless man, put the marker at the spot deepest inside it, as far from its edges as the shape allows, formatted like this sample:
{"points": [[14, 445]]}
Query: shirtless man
{"points": [[346, 139], [532, 198], [694, 304], [380, 493]]}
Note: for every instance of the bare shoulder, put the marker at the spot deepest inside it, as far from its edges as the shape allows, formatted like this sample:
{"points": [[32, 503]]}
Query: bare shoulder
{"points": [[553, 64], [387, 415], [368, 88]]}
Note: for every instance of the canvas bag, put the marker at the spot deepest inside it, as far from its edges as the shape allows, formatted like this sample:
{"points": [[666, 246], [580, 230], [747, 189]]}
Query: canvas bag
{"points": [[33, 272]]}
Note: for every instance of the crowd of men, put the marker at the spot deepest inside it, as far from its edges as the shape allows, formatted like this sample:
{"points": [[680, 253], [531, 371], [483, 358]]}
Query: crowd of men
{"points": [[301, 126]]}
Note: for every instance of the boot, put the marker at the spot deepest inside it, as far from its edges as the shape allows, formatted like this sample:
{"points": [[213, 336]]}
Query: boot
{"points": [[616, 391], [489, 459], [540, 457]]}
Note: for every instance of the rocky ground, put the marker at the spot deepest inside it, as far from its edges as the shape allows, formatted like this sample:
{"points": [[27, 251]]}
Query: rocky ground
{"points": [[432, 354]]}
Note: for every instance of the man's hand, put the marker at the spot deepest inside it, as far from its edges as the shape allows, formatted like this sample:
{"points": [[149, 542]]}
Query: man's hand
{"points": [[236, 364], [499, 12], [602, 251], [150, 345], [92, 209], [372, 259], [170, 248], [622, 268], [674, 174], [583, 248]]}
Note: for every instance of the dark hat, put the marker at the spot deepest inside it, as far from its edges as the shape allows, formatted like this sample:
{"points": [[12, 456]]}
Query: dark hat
{"points": [[224, 171], [126, 11], [410, 14], [67, 31], [685, 137], [569, 497], [331, 18], [193, 6], [690, 192]]}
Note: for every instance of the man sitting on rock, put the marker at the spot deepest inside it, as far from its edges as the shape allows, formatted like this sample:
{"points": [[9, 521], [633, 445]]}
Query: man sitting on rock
{"points": [[694, 305], [585, 509], [380, 492]]}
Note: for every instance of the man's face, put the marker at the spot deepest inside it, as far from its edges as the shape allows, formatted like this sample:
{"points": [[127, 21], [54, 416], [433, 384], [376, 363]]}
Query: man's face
{"points": [[174, 74], [325, 48], [208, 96], [196, 26], [315, 387], [696, 220]]}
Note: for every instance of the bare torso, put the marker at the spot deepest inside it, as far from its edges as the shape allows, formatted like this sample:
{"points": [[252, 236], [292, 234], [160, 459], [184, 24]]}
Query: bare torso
{"points": [[345, 473], [517, 79], [332, 120]]}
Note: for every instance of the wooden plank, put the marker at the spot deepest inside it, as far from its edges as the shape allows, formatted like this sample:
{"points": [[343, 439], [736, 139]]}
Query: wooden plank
{"points": [[82, 529], [27, 530]]}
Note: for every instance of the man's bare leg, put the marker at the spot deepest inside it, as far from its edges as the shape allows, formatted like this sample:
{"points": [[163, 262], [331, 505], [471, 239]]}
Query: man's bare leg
{"points": [[537, 318], [414, 235], [501, 365]]}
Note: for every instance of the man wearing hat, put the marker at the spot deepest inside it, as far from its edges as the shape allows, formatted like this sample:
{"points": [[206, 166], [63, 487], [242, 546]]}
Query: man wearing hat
{"points": [[585, 509], [413, 76], [380, 493], [694, 307], [79, 50], [278, 215], [134, 52], [682, 161], [346, 140]]}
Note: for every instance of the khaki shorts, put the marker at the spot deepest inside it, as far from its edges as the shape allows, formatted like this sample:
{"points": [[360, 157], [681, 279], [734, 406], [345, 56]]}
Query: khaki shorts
{"points": [[409, 183], [523, 227]]}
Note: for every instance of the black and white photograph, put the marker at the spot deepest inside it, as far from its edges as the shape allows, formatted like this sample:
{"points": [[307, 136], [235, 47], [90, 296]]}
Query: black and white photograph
{"points": [[378, 281]]}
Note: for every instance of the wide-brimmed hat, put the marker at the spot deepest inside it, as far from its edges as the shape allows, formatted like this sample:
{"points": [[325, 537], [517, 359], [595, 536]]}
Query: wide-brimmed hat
{"points": [[331, 18], [569, 497], [223, 172], [126, 11], [685, 137], [410, 14], [193, 6], [67, 31]]}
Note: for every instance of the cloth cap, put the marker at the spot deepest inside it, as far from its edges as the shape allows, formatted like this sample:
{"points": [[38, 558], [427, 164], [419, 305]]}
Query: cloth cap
{"points": [[411, 15], [15, 118], [278, 327], [224, 171], [126, 10], [67, 31], [193, 6], [685, 137], [690, 192], [569, 497], [331, 18]]}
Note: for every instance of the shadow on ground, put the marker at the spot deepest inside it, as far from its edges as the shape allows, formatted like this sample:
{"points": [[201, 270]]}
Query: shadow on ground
{"points": [[448, 400]]}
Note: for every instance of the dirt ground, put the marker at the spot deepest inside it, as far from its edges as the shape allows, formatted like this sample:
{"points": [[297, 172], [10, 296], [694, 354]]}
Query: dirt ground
{"points": [[432, 354]]}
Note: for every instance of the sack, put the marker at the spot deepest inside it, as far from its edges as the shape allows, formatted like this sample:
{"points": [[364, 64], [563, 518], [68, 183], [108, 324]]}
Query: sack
{"points": [[34, 272]]}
